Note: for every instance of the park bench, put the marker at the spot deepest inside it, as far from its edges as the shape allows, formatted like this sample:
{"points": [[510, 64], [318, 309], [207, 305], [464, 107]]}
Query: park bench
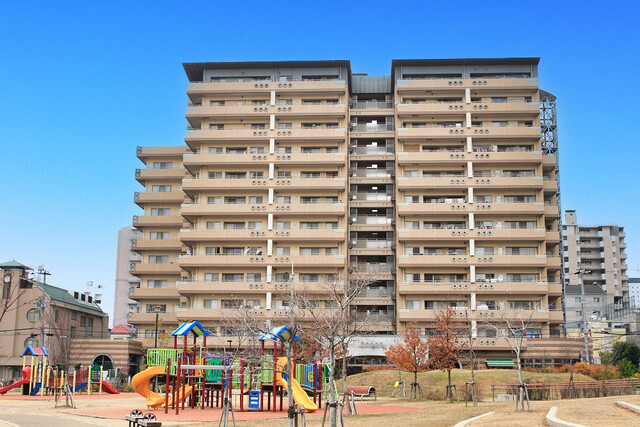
{"points": [[137, 419], [362, 391]]}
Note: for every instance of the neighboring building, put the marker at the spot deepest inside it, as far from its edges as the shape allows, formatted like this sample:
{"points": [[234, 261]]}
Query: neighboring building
{"points": [[44, 315], [634, 290], [600, 252], [122, 332], [441, 179], [126, 283]]}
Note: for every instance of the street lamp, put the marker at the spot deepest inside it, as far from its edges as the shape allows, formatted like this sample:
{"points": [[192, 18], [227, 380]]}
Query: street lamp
{"points": [[585, 332], [157, 309]]}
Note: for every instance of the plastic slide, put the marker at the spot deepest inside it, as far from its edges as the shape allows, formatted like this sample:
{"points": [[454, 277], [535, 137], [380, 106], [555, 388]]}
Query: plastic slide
{"points": [[107, 387], [26, 372], [80, 386], [299, 395], [35, 390], [141, 383]]}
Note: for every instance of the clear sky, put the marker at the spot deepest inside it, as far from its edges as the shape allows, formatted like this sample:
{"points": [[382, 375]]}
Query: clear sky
{"points": [[82, 83]]}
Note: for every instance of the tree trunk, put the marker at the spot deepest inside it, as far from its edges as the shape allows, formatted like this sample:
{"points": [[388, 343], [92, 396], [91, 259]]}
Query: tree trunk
{"points": [[344, 374], [474, 396], [332, 390], [414, 386], [520, 382], [449, 391]]}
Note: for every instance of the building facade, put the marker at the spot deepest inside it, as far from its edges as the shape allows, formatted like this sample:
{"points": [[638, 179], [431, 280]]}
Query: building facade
{"points": [[126, 283], [439, 179], [44, 315]]}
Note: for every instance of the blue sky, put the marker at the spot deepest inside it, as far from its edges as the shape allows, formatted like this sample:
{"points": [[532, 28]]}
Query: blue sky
{"points": [[83, 83]]}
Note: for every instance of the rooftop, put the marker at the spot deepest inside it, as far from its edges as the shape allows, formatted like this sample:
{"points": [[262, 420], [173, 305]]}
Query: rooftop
{"points": [[62, 295]]}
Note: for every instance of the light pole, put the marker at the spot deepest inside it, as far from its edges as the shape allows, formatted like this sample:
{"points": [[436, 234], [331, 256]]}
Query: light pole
{"points": [[157, 309], [585, 332]]}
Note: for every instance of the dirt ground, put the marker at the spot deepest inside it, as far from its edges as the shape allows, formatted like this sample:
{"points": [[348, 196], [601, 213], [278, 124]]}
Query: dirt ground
{"points": [[109, 411]]}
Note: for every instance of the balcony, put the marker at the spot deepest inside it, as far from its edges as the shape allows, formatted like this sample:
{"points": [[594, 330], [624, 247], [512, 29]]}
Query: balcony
{"points": [[193, 162], [479, 108], [371, 223], [265, 87], [294, 234], [142, 198], [247, 184], [528, 132], [475, 84], [143, 175], [460, 157], [371, 105], [464, 234], [168, 319], [221, 261], [553, 316], [551, 211], [140, 221], [156, 244], [466, 260], [371, 127], [406, 209], [144, 268], [145, 153], [155, 294], [248, 134], [480, 288], [247, 110], [227, 209], [245, 288], [372, 247], [550, 185], [462, 182]]}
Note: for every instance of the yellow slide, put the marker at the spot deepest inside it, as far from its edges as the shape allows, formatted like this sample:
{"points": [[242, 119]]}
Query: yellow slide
{"points": [[141, 384], [299, 395]]}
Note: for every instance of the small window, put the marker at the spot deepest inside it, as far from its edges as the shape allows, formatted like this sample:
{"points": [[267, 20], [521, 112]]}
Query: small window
{"points": [[161, 188], [33, 315], [162, 165]]}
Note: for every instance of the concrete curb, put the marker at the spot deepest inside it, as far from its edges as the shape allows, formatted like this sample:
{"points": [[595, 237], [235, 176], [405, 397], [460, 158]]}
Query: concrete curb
{"points": [[465, 422], [629, 406], [554, 421]]}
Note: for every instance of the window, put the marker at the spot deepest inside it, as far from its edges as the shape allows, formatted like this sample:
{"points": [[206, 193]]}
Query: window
{"points": [[231, 303], [236, 175], [33, 315], [520, 251], [332, 149], [521, 277], [258, 126], [256, 174], [309, 251], [162, 165], [215, 126], [518, 199], [282, 250], [237, 150], [232, 277], [256, 150], [284, 150], [433, 278], [83, 319], [498, 99], [331, 199], [284, 174], [282, 125], [159, 235], [411, 174], [310, 102], [522, 305], [499, 124], [212, 250], [254, 277], [210, 303], [309, 277], [283, 225], [253, 250], [90, 326], [254, 225], [306, 200], [234, 225], [74, 315], [331, 251], [283, 200], [309, 150], [232, 251], [214, 200], [161, 188], [331, 225], [215, 103], [484, 250], [156, 283], [258, 102], [215, 175], [160, 211], [283, 277], [158, 259], [310, 225], [151, 308], [235, 200], [215, 150], [412, 304], [211, 277], [310, 174], [213, 225], [31, 341], [282, 101], [253, 303]]}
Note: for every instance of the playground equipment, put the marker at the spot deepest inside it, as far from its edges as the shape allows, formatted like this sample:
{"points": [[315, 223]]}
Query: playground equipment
{"points": [[198, 378], [40, 378]]}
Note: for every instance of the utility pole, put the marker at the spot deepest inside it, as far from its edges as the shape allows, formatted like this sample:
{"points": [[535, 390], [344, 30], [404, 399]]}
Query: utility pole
{"points": [[42, 303], [585, 331]]}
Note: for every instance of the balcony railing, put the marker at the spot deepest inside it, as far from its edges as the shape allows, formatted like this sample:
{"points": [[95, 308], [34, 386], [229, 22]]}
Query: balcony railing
{"points": [[372, 220], [372, 150], [371, 105], [374, 267], [373, 173], [373, 244], [373, 197], [371, 127]]}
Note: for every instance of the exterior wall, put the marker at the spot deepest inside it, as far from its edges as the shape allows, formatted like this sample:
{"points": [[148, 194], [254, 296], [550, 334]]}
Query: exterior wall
{"points": [[432, 184], [125, 354], [125, 281]]}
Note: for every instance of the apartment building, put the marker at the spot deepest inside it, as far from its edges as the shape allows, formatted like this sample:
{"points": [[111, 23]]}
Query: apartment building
{"points": [[126, 283], [440, 179], [600, 252]]}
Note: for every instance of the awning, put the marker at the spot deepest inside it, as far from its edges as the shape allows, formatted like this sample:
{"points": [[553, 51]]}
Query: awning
{"points": [[500, 363]]}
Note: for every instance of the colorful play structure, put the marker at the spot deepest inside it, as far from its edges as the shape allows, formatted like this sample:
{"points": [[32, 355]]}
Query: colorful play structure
{"points": [[196, 378], [39, 378]]}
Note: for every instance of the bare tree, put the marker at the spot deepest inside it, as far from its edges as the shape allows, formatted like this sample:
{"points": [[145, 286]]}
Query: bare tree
{"points": [[467, 341], [334, 325], [512, 327], [13, 291]]}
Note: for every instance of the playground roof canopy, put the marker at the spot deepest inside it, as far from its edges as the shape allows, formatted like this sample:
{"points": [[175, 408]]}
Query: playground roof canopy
{"points": [[275, 333], [194, 327], [35, 351]]}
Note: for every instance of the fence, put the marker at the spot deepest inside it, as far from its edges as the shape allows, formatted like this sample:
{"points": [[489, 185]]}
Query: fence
{"points": [[574, 390]]}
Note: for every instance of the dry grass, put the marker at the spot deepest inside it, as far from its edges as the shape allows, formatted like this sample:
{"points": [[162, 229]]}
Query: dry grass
{"points": [[433, 382]]}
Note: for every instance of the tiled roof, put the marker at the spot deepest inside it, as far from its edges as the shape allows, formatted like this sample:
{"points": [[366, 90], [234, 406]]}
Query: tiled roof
{"points": [[61, 295]]}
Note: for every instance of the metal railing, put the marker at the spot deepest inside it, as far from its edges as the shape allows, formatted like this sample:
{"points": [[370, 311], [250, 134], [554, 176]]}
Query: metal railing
{"points": [[371, 127], [371, 105]]}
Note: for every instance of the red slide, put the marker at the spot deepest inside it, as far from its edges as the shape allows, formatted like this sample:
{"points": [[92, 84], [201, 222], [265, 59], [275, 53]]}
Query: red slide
{"points": [[26, 372], [106, 387]]}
